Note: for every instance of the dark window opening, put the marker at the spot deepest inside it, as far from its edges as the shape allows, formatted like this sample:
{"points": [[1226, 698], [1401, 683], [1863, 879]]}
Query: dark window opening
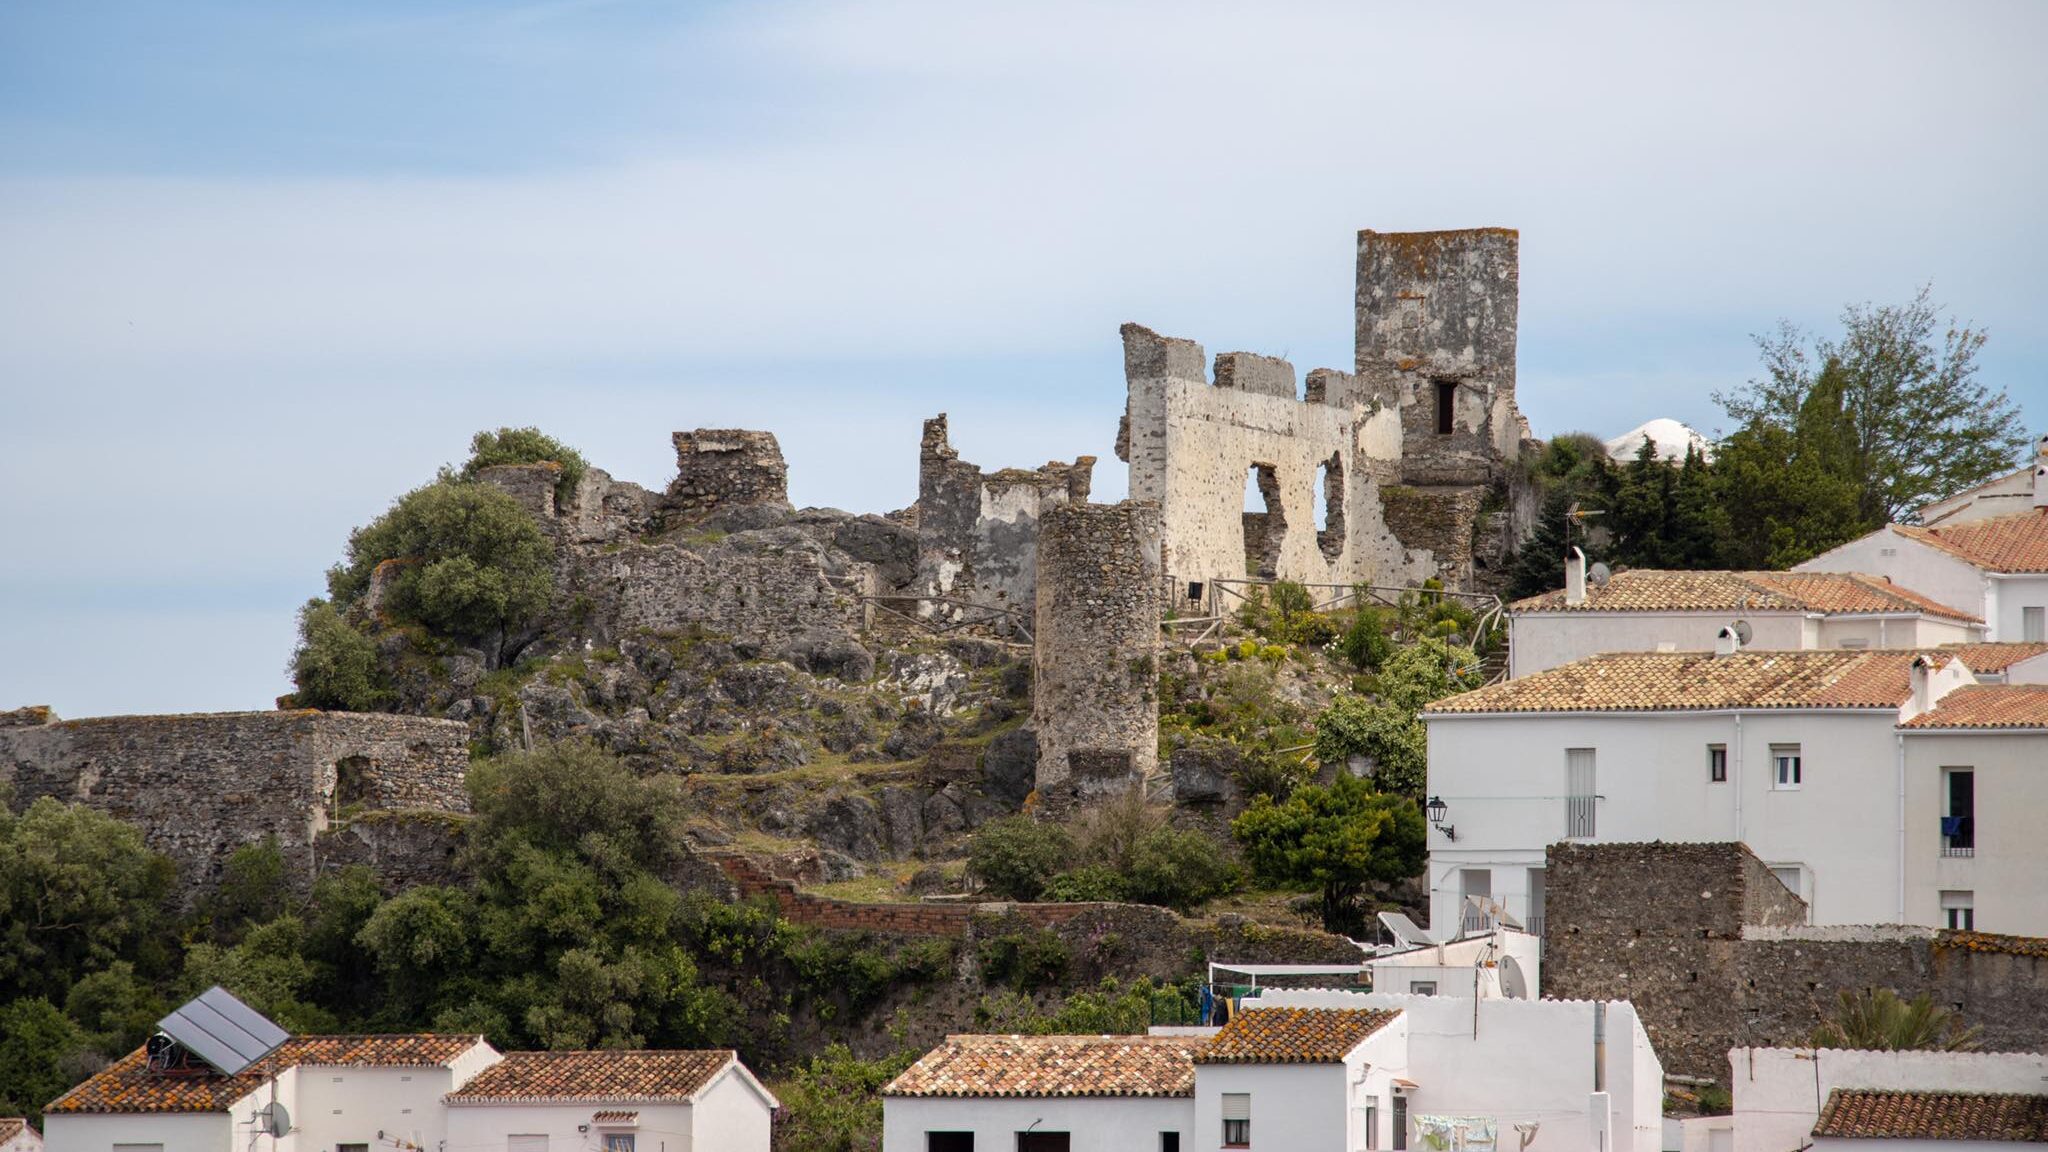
{"points": [[1266, 528], [949, 1142], [351, 781], [1400, 1123], [1446, 405], [1330, 510], [1717, 763], [1959, 825], [1043, 1142], [1169, 1142]]}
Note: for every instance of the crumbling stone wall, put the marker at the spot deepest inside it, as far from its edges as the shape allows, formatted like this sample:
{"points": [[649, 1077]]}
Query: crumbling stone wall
{"points": [[200, 786], [1714, 953], [723, 468], [1192, 447], [1094, 699], [977, 533]]}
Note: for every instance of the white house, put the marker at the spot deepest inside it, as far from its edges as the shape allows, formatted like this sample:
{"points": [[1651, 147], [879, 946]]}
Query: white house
{"points": [[1489, 961], [1653, 610], [2003, 496], [1836, 767], [1995, 569], [18, 1135], [1842, 1100], [619, 1101], [1344, 1071], [335, 1092]]}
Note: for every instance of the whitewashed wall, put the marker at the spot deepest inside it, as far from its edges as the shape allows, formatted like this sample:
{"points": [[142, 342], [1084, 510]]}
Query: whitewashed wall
{"points": [[1097, 1124], [2009, 872], [1910, 564], [2011, 596], [1293, 1105], [488, 1127], [1776, 1089], [1539, 641], [734, 1112], [192, 1132]]}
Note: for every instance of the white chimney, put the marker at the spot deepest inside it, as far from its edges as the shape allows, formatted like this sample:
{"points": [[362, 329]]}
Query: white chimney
{"points": [[1575, 578], [1726, 641], [1923, 698], [2041, 473]]}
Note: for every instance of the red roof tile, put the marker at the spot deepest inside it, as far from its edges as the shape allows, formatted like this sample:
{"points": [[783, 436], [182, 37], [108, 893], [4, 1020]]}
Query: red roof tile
{"points": [[1860, 1114], [1982, 706], [609, 1076], [1993, 942], [1049, 1066], [128, 1085], [2017, 543], [1696, 681], [1293, 1035], [1828, 593]]}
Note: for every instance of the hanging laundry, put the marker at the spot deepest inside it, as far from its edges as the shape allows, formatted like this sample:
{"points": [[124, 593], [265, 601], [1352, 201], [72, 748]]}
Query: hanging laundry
{"points": [[1456, 1133]]}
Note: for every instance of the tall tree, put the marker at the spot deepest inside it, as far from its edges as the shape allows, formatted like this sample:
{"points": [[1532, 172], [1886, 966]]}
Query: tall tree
{"points": [[1919, 424], [1641, 516], [1791, 492]]}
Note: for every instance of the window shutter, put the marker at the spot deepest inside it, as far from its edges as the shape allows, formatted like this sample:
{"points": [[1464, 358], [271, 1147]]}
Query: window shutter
{"points": [[1237, 1105]]}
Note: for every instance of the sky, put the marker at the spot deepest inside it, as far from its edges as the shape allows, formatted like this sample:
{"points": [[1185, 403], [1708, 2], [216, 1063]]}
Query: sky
{"points": [[264, 267]]}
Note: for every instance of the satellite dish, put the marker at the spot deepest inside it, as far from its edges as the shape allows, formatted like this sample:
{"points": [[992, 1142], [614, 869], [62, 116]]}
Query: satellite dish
{"points": [[1743, 632], [1599, 574], [1513, 984], [274, 1119], [1405, 931]]}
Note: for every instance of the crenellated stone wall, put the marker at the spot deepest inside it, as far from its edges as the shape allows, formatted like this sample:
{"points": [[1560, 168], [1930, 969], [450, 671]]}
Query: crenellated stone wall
{"points": [[199, 786], [1095, 686]]}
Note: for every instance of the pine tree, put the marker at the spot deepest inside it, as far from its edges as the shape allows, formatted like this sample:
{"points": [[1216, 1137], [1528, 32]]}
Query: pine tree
{"points": [[1538, 566]]}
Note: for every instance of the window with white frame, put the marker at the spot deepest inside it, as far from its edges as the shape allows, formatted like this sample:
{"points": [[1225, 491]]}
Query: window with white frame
{"points": [[1580, 797], [618, 1142], [1786, 770], [1959, 910], [1789, 875], [1422, 987], [1371, 1125], [1237, 1119], [2034, 624]]}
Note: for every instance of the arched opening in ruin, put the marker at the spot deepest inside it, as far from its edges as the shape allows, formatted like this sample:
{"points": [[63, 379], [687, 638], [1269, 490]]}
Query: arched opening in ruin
{"points": [[352, 783], [1446, 406], [1265, 522], [1330, 506]]}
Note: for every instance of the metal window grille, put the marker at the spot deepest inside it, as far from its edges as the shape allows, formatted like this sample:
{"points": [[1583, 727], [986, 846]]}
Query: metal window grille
{"points": [[1580, 793]]}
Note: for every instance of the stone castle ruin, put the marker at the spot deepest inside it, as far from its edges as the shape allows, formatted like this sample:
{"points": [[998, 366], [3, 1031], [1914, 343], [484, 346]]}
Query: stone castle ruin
{"points": [[1408, 453]]}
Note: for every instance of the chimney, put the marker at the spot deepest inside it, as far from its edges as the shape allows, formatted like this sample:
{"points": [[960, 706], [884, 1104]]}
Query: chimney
{"points": [[2041, 473], [1575, 577], [1923, 696], [1726, 641]]}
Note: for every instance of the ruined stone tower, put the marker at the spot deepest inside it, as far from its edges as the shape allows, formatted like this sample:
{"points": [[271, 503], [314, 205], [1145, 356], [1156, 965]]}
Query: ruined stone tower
{"points": [[1095, 667]]}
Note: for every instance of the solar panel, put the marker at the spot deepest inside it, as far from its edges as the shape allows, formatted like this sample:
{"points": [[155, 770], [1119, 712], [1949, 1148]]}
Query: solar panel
{"points": [[1405, 931], [223, 1031]]}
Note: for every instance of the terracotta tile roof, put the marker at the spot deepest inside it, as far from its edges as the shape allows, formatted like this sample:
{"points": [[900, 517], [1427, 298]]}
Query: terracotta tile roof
{"points": [[1868, 1114], [1693, 681], [620, 1076], [12, 1126], [127, 1085], [1293, 1035], [1993, 942], [1991, 658], [973, 1065], [2017, 543], [1660, 590], [1987, 706]]}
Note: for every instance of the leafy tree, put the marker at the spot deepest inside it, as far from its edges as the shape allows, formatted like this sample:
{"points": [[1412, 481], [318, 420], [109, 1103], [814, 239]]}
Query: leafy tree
{"points": [[335, 664], [268, 970], [1016, 857], [1697, 521], [1388, 730], [833, 1103], [1792, 493], [1179, 869], [1877, 1019], [114, 1008], [1364, 641], [466, 561], [1335, 840], [42, 1054], [1642, 515], [526, 446], [78, 891], [252, 890], [1918, 424], [1426, 671], [1538, 565]]}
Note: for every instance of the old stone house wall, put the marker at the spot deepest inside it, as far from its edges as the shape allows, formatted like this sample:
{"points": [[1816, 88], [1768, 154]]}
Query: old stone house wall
{"points": [[1095, 687], [200, 786], [1714, 953]]}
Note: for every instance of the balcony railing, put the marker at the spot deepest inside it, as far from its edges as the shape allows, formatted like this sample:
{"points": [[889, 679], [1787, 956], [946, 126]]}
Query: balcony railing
{"points": [[1958, 836]]}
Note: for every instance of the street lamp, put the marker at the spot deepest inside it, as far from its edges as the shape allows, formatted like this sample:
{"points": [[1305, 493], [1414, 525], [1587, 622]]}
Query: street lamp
{"points": [[1436, 810]]}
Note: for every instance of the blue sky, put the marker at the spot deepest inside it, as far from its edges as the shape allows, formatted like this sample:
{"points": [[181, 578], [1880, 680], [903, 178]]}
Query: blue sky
{"points": [[263, 267]]}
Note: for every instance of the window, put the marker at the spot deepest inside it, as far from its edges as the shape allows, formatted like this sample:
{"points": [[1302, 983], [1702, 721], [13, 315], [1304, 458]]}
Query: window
{"points": [[2034, 624], [366, 1147], [1960, 910], [138, 1148], [1717, 763], [1400, 1123], [1422, 987], [1959, 812], [1044, 1141], [949, 1142], [1785, 767], [1789, 876], [1372, 1125], [1237, 1119], [1579, 792], [618, 1142], [1169, 1142], [1446, 405], [528, 1143]]}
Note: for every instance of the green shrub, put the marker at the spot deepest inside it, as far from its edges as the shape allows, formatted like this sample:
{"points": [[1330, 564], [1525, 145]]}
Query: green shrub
{"points": [[468, 562], [1334, 840], [1180, 869], [335, 666], [1393, 738], [834, 1102], [1086, 885], [1715, 1101], [1364, 641], [526, 446], [1016, 857], [1032, 959]]}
